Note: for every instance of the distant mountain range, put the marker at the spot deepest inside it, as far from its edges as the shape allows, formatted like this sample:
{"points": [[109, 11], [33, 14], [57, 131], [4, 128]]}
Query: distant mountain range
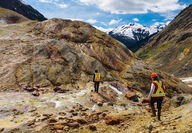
{"points": [[134, 35], [20, 7]]}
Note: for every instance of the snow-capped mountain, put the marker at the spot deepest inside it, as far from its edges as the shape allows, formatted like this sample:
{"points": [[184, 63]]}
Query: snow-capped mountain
{"points": [[21, 7], [157, 27], [132, 31], [133, 34]]}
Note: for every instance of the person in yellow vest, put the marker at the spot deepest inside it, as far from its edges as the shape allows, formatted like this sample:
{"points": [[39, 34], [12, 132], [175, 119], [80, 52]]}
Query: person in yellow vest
{"points": [[96, 80], [157, 93]]}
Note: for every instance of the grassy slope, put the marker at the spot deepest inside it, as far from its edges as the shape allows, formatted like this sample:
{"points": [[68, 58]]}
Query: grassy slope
{"points": [[171, 49]]}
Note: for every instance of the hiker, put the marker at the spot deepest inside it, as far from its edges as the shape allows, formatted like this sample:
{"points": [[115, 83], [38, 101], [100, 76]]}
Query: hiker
{"points": [[157, 93], [96, 80]]}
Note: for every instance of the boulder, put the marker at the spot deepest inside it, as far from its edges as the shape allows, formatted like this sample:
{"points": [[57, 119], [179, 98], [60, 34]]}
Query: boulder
{"points": [[81, 120], [66, 128], [62, 113], [1, 129], [112, 121], [36, 93], [131, 95], [30, 89], [58, 127], [181, 99], [73, 125], [60, 90], [92, 127], [48, 115], [53, 120]]}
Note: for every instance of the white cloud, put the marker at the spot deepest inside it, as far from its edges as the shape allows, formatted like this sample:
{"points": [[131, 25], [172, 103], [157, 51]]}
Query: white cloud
{"points": [[91, 21], [136, 19], [75, 19], [113, 21], [46, 1], [103, 29], [135, 6], [97, 13], [103, 23], [62, 5], [55, 2], [169, 15], [156, 24]]}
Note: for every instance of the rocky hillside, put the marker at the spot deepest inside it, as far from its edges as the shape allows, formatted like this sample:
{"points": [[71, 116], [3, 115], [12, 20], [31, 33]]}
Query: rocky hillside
{"points": [[22, 8], [60, 52], [10, 17], [171, 49], [134, 35]]}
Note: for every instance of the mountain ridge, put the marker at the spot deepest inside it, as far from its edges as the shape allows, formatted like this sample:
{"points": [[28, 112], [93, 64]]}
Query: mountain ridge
{"points": [[175, 37], [23, 9]]}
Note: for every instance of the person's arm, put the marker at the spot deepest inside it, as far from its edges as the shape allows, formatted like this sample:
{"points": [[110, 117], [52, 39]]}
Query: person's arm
{"points": [[93, 77], [152, 89], [163, 86]]}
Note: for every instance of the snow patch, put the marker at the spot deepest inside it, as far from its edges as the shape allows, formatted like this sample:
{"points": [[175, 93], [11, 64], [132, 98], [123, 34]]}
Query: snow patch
{"points": [[131, 29], [94, 107], [187, 80], [23, 2], [115, 89], [58, 104], [3, 21]]}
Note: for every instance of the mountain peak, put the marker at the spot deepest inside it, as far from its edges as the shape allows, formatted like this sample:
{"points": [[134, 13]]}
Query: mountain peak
{"points": [[133, 33]]}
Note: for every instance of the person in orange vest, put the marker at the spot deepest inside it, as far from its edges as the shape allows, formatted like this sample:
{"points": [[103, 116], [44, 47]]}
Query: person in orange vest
{"points": [[96, 80], [157, 93]]}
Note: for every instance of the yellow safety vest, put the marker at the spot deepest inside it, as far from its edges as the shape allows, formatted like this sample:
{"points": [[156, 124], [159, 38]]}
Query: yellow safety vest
{"points": [[159, 91], [97, 76]]}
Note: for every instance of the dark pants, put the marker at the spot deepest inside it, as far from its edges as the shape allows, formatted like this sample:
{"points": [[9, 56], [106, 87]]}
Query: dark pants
{"points": [[159, 101], [96, 85]]}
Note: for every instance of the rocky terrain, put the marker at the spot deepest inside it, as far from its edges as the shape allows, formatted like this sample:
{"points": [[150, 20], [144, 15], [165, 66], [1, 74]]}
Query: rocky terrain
{"points": [[175, 37], [20, 7], [46, 84], [86, 111]]}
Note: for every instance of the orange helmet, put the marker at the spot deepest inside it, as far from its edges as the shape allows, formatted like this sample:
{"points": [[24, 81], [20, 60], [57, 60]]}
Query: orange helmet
{"points": [[153, 75]]}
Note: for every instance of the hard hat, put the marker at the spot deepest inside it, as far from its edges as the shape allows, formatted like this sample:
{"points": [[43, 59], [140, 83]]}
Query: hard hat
{"points": [[153, 75]]}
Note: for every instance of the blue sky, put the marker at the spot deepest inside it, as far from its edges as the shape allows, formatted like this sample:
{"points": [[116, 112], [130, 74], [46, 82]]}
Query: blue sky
{"points": [[111, 13]]}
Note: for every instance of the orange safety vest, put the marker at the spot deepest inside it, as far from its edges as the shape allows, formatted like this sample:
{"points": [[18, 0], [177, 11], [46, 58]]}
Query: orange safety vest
{"points": [[97, 76], [159, 89]]}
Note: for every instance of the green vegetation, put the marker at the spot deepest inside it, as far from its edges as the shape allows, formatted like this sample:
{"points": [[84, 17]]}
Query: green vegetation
{"points": [[181, 48], [163, 46], [146, 53]]}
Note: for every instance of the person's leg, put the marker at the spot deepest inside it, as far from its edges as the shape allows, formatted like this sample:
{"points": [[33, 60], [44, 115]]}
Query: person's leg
{"points": [[95, 86], [152, 101], [98, 87], [159, 106]]}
